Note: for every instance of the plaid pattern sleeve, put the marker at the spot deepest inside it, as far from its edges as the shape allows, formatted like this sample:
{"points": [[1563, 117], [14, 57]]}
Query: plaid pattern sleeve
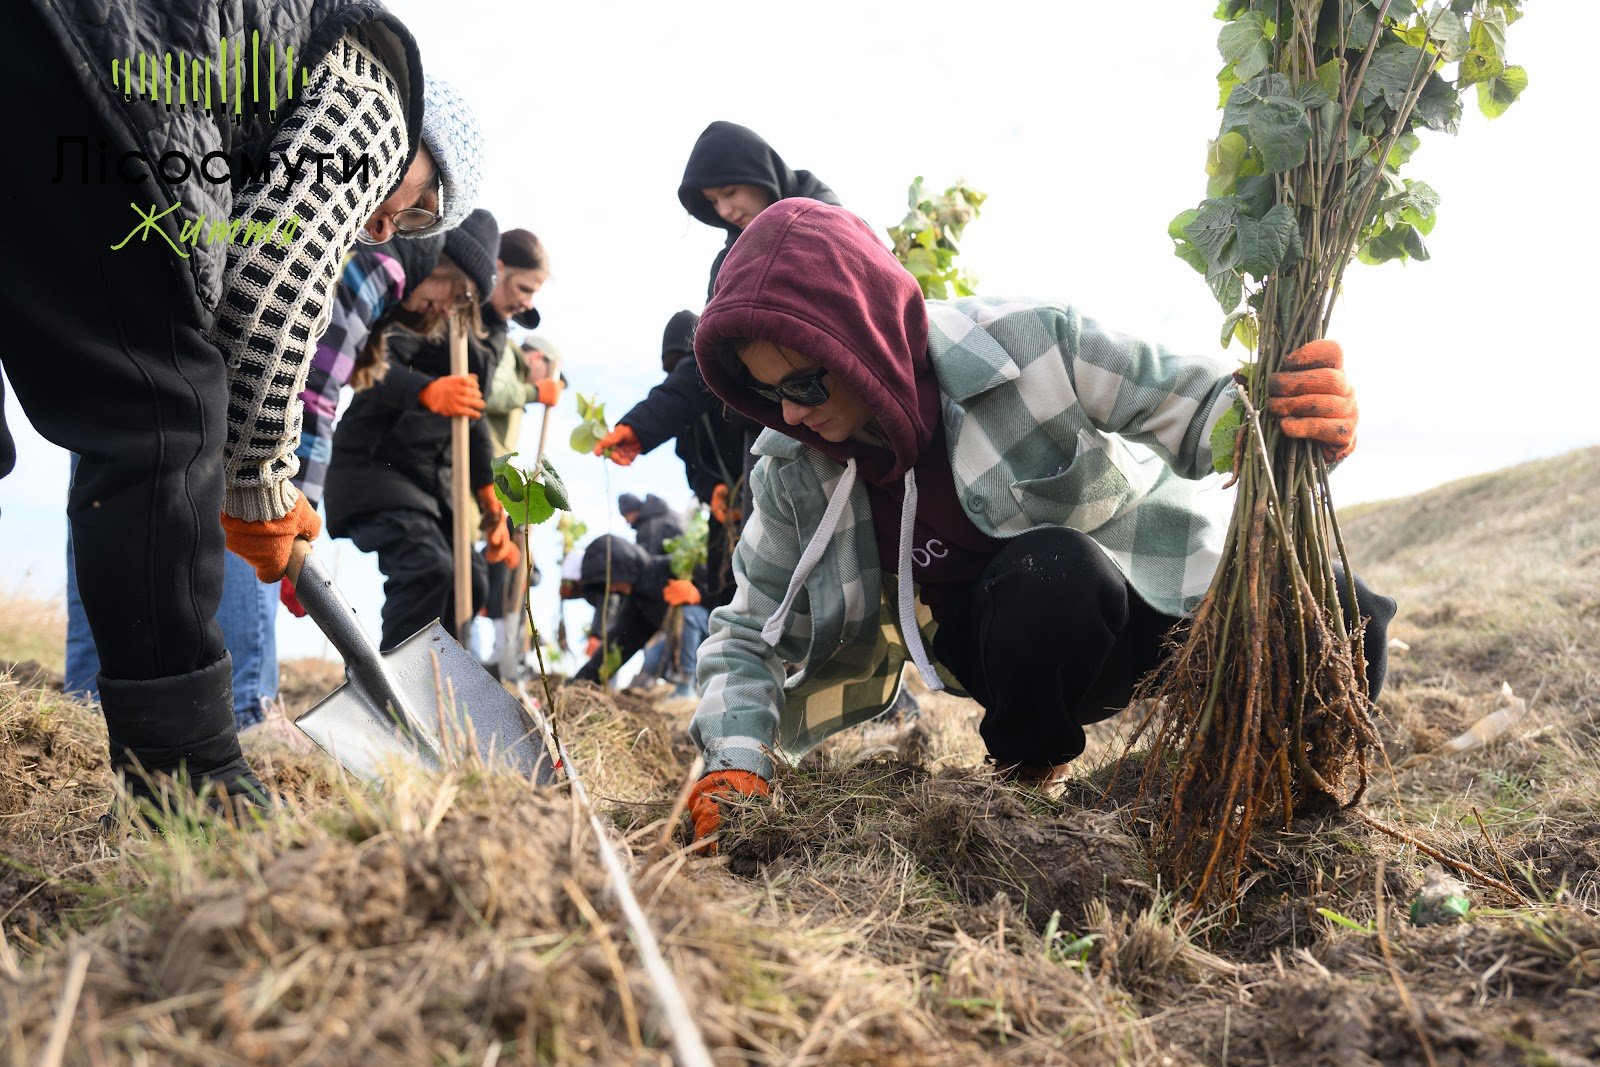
{"points": [[370, 282], [277, 295], [740, 676]]}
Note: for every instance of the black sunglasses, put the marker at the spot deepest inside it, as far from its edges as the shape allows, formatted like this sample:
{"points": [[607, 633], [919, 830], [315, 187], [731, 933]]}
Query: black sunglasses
{"points": [[807, 390]]}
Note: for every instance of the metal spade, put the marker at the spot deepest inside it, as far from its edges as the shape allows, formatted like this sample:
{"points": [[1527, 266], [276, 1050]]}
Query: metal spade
{"points": [[426, 702]]}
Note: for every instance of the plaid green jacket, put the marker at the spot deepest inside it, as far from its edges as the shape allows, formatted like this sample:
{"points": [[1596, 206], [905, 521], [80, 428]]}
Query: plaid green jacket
{"points": [[1050, 420]]}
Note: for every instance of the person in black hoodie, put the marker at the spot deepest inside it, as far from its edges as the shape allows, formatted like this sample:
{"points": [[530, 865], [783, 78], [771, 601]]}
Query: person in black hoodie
{"points": [[388, 485], [731, 177], [652, 521], [640, 588]]}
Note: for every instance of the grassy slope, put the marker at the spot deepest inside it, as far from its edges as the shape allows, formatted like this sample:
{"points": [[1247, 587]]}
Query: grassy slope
{"points": [[890, 905]]}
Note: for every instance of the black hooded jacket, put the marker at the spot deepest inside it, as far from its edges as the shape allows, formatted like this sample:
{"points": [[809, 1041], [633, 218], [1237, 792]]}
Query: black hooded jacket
{"points": [[729, 154], [391, 452], [714, 441], [655, 525]]}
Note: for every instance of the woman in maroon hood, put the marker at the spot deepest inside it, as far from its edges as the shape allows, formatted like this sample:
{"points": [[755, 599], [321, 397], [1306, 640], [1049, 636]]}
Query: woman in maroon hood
{"points": [[1031, 472]]}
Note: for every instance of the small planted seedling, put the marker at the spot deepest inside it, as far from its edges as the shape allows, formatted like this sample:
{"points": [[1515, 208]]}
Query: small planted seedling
{"points": [[591, 425]]}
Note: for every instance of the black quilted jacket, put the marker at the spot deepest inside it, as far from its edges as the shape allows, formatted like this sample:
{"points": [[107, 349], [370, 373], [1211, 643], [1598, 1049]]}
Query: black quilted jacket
{"points": [[93, 33]]}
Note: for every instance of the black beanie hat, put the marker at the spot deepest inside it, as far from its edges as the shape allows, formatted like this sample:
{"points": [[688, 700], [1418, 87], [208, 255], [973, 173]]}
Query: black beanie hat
{"points": [[628, 502], [677, 340], [417, 256], [474, 245]]}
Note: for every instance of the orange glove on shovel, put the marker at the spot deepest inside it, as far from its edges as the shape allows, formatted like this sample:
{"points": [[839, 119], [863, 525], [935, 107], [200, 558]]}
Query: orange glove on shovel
{"points": [[266, 545], [704, 810], [1312, 399], [453, 395]]}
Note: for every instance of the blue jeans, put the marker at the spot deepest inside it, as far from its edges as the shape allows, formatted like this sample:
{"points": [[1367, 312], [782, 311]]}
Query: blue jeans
{"points": [[696, 624], [248, 616]]}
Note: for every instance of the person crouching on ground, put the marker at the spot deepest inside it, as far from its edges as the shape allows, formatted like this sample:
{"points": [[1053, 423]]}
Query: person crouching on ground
{"points": [[996, 491], [631, 592]]}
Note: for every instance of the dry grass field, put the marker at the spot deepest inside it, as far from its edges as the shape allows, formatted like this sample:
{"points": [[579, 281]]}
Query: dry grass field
{"points": [[889, 905]]}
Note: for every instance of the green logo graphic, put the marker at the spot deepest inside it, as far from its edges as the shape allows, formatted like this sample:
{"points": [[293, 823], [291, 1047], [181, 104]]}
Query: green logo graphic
{"points": [[192, 79]]}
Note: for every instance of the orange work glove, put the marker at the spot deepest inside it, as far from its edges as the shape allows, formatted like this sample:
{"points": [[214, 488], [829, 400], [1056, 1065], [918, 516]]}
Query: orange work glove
{"points": [[454, 394], [680, 591], [591, 646], [500, 547], [266, 545], [624, 445], [719, 506], [549, 390], [1312, 399], [704, 810], [287, 598]]}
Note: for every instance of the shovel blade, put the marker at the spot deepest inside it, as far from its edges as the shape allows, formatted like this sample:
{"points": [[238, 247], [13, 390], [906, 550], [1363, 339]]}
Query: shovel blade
{"points": [[434, 706]]}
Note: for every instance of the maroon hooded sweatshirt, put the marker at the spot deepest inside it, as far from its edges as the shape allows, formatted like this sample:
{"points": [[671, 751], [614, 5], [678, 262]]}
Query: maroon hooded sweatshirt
{"points": [[815, 278]]}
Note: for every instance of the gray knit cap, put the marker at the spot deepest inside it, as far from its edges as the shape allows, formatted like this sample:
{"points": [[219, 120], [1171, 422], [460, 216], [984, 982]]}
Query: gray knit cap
{"points": [[450, 130]]}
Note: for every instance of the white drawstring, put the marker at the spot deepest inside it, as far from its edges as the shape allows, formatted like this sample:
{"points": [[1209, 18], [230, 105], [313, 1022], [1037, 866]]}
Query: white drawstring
{"points": [[773, 630], [908, 608]]}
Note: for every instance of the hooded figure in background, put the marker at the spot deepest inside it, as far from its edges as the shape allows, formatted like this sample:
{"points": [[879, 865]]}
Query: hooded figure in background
{"points": [[632, 590], [1000, 492], [732, 176], [652, 520]]}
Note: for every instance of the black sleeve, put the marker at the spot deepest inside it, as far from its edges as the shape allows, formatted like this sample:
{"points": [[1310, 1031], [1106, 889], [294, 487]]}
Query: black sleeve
{"points": [[630, 631], [671, 407], [400, 384]]}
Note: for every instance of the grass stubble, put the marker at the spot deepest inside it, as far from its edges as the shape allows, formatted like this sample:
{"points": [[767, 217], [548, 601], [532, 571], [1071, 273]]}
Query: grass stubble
{"points": [[891, 904]]}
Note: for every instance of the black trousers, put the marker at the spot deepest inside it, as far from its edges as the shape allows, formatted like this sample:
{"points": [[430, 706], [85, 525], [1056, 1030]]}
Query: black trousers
{"points": [[418, 566], [628, 628], [108, 360], [1052, 638]]}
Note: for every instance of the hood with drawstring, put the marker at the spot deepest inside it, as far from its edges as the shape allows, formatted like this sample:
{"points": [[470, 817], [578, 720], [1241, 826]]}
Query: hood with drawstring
{"points": [[729, 154], [815, 278]]}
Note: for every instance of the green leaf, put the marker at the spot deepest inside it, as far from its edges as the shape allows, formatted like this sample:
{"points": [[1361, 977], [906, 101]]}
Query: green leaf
{"points": [[509, 484], [1264, 244], [1213, 230], [1226, 285], [555, 490], [1439, 106], [1329, 76], [1280, 130], [1249, 96], [1390, 73], [1404, 146], [611, 663], [1244, 44], [1239, 326], [1497, 94], [1224, 158], [1418, 205], [1224, 436], [584, 439], [1385, 245]]}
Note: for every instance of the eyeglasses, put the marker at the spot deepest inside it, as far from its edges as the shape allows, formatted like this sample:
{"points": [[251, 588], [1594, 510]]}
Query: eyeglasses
{"points": [[807, 391], [410, 220]]}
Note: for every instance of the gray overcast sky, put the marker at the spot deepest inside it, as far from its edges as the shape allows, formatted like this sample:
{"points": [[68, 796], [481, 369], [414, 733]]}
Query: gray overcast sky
{"points": [[1086, 126]]}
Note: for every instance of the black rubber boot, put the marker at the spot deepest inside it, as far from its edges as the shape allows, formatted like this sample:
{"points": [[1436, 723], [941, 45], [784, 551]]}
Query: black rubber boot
{"points": [[179, 729]]}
